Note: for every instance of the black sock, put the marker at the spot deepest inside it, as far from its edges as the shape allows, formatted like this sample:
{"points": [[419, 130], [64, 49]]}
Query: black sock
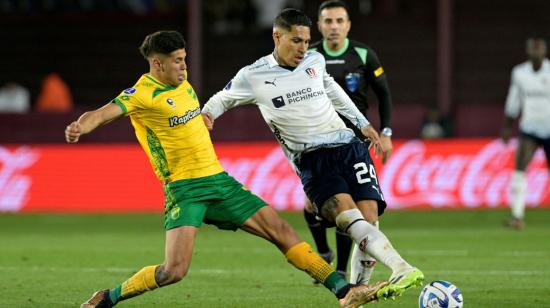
{"points": [[318, 232], [343, 291], [343, 247]]}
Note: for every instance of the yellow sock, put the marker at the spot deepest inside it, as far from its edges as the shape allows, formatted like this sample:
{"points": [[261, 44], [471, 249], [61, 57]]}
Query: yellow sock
{"points": [[142, 281], [303, 258]]}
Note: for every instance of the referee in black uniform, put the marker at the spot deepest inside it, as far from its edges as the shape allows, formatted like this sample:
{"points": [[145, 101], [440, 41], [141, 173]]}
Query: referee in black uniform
{"points": [[355, 67]]}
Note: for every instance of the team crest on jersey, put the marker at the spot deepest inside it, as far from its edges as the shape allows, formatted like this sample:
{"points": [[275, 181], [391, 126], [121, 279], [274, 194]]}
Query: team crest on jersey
{"points": [[171, 103], [352, 81], [130, 91], [311, 72]]}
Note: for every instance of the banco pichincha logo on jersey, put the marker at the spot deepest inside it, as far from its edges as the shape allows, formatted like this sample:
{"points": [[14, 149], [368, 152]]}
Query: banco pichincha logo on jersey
{"points": [[301, 95]]}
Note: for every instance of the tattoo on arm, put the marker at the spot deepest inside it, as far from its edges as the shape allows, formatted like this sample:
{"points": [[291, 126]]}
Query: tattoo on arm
{"points": [[329, 208], [161, 276]]}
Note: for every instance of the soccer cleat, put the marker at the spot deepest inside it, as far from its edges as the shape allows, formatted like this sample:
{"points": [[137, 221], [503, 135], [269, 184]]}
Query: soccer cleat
{"points": [[515, 223], [328, 257], [362, 294], [100, 299], [400, 282]]}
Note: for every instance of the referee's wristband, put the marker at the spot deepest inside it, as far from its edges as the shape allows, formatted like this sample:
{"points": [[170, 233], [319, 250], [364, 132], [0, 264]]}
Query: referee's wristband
{"points": [[386, 131]]}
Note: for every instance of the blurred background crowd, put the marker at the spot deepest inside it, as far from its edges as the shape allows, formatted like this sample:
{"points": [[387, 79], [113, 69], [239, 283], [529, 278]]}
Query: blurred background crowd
{"points": [[448, 62]]}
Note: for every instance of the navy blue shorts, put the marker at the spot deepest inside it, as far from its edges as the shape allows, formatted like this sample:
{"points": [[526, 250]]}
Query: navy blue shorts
{"points": [[348, 169], [544, 142]]}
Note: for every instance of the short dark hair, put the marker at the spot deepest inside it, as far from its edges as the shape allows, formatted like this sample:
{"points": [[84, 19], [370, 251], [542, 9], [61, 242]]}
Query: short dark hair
{"points": [[162, 42], [291, 17], [536, 37], [330, 4]]}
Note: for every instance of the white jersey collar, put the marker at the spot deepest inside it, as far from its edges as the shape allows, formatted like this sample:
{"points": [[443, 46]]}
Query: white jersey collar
{"points": [[271, 60]]}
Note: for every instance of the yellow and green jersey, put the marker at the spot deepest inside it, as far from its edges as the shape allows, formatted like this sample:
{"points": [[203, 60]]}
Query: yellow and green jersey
{"points": [[170, 129]]}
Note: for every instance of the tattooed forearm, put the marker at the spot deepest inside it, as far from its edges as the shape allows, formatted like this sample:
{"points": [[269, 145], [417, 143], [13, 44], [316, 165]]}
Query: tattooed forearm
{"points": [[161, 276]]}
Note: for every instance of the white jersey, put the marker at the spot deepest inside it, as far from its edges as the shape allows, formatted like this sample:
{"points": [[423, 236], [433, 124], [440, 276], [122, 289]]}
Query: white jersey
{"points": [[530, 93], [299, 106]]}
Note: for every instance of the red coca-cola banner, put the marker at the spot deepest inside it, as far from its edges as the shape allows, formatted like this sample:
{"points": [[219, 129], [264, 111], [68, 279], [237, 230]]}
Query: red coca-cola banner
{"points": [[118, 178]]}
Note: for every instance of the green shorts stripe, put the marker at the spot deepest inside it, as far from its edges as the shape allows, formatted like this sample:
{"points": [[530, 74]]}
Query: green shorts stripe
{"points": [[217, 199]]}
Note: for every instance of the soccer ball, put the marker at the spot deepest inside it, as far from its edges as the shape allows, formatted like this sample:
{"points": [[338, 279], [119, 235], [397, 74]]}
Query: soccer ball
{"points": [[440, 294]]}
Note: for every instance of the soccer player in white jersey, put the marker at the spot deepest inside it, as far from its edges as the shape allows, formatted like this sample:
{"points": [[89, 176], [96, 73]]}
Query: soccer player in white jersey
{"points": [[298, 100], [529, 94]]}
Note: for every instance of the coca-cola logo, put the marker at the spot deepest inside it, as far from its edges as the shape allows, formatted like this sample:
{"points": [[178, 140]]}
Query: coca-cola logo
{"points": [[14, 185], [415, 177], [270, 177]]}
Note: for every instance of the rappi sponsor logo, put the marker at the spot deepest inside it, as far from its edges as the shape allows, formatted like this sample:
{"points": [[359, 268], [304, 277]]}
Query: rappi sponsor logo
{"points": [[462, 174], [14, 185]]}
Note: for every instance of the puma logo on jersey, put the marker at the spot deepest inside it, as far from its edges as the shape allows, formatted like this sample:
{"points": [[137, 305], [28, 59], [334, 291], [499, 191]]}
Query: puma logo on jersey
{"points": [[271, 82]]}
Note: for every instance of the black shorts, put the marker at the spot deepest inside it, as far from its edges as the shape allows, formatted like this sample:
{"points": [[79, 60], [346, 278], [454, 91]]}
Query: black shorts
{"points": [[544, 142], [348, 169]]}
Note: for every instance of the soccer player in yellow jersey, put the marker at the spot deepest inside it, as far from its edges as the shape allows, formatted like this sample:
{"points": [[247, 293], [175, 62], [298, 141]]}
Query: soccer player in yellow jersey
{"points": [[165, 113]]}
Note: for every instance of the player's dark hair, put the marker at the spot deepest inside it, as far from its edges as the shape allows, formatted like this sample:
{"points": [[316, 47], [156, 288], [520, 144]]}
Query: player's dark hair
{"points": [[291, 17], [330, 4], [161, 42], [536, 37]]}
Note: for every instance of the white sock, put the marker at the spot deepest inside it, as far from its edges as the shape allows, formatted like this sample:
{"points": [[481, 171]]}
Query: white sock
{"points": [[518, 189], [362, 265], [370, 240]]}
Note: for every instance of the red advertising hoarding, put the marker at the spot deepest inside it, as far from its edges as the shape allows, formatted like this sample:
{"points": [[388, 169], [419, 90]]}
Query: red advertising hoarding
{"points": [[469, 173]]}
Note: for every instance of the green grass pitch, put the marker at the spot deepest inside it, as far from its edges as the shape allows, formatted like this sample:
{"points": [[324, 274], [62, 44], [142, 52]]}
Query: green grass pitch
{"points": [[59, 260]]}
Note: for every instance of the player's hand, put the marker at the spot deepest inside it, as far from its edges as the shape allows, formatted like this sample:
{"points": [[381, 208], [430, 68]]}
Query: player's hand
{"points": [[505, 134], [387, 146], [208, 120], [370, 133], [73, 132]]}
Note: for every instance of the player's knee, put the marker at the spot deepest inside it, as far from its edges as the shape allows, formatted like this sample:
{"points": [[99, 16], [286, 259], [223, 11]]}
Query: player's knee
{"points": [[369, 210]]}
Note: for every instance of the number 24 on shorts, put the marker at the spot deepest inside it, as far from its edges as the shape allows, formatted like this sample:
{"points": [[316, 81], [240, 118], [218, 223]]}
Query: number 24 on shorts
{"points": [[365, 173]]}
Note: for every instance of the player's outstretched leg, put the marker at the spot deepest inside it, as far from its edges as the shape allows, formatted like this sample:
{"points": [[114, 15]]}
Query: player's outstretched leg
{"points": [[142, 281], [373, 242], [179, 249], [267, 224]]}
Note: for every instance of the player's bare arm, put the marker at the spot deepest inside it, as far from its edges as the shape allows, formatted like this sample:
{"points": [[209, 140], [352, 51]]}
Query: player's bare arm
{"points": [[91, 120]]}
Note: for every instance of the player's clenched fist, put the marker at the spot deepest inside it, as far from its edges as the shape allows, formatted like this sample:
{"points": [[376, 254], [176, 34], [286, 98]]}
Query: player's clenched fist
{"points": [[73, 132]]}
